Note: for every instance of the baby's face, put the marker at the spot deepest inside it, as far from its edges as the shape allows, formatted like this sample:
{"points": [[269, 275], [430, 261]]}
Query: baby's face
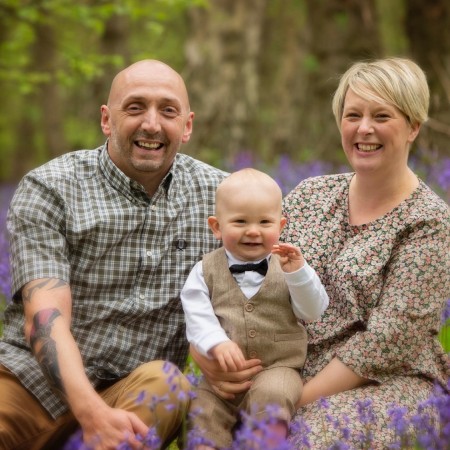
{"points": [[249, 224]]}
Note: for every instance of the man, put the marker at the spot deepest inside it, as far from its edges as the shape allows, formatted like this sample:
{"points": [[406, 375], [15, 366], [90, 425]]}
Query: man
{"points": [[101, 243]]}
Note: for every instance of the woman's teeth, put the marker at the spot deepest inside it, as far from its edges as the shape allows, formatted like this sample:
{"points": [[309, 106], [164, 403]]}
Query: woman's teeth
{"points": [[368, 147]]}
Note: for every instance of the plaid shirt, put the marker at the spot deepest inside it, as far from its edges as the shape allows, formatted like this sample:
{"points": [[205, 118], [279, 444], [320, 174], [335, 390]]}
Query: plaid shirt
{"points": [[125, 255]]}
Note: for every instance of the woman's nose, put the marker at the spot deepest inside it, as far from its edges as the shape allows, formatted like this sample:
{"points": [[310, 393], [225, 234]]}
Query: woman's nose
{"points": [[365, 126]]}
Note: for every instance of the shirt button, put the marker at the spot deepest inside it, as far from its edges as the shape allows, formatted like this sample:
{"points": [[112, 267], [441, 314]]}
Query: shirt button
{"points": [[149, 253], [252, 333], [249, 307], [252, 354], [141, 296], [153, 207]]}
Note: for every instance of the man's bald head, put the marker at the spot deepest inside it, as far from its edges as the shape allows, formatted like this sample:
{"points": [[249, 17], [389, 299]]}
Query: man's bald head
{"points": [[147, 69]]}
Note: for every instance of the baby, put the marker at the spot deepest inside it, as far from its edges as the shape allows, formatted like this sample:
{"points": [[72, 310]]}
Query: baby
{"points": [[245, 301]]}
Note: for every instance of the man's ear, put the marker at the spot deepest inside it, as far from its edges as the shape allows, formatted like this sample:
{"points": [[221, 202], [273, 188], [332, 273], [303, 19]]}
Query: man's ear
{"points": [[213, 224], [282, 222], [104, 122]]}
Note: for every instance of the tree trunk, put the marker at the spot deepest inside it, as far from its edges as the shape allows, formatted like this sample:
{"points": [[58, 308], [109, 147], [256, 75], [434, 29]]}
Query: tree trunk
{"points": [[261, 73], [43, 118], [428, 28]]}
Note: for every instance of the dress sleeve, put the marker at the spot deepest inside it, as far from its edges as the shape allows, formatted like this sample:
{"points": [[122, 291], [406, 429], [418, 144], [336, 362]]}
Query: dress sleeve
{"points": [[401, 330]]}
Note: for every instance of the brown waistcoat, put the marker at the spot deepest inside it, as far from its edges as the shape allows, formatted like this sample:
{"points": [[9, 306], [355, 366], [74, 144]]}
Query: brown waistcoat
{"points": [[263, 326]]}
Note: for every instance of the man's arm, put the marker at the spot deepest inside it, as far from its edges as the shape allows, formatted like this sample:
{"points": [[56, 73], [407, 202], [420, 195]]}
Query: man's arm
{"points": [[47, 304], [226, 384]]}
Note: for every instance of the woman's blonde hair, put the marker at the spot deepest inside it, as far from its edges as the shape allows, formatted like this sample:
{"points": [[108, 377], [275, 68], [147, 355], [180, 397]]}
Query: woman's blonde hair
{"points": [[399, 82]]}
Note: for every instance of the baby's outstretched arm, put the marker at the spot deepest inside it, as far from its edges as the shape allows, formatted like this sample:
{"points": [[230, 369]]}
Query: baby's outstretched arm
{"points": [[291, 258], [229, 356]]}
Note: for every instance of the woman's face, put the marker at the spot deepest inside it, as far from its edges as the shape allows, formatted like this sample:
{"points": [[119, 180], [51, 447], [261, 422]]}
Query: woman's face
{"points": [[376, 137]]}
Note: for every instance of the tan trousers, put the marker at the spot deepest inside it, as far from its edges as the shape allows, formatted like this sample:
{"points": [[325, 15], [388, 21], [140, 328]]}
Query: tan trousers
{"points": [[26, 425], [215, 418]]}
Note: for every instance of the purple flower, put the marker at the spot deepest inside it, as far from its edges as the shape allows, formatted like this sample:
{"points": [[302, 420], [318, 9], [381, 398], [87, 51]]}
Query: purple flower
{"points": [[300, 429], [6, 193], [446, 312]]}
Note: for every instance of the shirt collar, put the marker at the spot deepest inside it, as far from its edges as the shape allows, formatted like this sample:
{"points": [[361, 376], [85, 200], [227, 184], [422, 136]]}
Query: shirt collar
{"points": [[127, 186]]}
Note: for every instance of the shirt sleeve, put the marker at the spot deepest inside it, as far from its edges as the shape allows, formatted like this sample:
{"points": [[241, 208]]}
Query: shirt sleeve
{"points": [[401, 331], [36, 227], [203, 329], [308, 296]]}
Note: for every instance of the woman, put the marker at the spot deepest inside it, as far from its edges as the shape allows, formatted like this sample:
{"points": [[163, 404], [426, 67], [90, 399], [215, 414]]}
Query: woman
{"points": [[379, 240]]}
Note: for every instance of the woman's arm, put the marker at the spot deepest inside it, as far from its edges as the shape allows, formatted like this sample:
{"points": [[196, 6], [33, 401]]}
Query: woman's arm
{"points": [[335, 377]]}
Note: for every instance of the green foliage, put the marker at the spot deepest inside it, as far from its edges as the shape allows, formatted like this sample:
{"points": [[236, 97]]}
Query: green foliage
{"points": [[68, 48], [444, 337], [391, 16]]}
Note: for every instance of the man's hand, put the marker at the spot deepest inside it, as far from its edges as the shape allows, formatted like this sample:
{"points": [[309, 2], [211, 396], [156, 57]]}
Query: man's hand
{"points": [[227, 384], [291, 258], [108, 427], [229, 356]]}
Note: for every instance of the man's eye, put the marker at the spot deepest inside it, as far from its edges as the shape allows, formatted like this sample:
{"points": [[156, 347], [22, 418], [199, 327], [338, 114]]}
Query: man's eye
{"points": [[134, 109], [170, 111]]}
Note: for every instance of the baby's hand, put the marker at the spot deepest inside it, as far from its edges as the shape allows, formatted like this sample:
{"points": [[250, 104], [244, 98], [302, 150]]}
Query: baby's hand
{"points": [[229, 356], [291, 258]]}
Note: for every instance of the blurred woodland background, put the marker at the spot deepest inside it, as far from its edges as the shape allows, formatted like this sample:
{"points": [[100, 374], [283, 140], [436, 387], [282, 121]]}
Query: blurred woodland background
{"points": [[260, 73]]}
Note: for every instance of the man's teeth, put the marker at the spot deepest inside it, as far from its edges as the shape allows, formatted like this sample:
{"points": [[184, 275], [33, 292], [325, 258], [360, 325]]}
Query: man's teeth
{"points": [[149, 145], [368, 147]]}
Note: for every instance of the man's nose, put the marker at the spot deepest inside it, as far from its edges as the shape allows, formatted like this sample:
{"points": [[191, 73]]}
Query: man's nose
{"points": [[151, 121]]}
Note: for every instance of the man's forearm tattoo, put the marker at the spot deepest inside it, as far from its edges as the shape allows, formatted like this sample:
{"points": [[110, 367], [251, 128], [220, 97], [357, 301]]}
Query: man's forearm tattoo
{"points": [[47, 283], [44, 347]]}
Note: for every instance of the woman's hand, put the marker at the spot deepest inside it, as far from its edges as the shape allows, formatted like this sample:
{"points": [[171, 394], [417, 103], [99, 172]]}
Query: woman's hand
{"points": [[226, 384]]}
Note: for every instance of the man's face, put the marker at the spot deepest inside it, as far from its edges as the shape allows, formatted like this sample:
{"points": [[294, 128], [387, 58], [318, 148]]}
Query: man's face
{"points": [[147, 119]]}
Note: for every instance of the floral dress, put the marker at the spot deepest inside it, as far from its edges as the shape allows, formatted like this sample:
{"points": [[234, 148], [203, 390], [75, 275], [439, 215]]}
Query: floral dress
{"points": [[387, 281]]}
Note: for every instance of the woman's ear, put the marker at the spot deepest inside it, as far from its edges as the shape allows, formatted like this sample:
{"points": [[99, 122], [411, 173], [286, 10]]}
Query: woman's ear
{"points": [[415, 128], [214, 225]]}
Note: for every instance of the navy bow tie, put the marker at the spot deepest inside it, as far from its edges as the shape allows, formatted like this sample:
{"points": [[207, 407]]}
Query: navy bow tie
{"points": [[260, 267]]}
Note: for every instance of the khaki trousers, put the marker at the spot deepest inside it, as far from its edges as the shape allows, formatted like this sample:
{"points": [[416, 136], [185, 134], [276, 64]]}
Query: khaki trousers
{"points": [[215, 418], [26, 425]]}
